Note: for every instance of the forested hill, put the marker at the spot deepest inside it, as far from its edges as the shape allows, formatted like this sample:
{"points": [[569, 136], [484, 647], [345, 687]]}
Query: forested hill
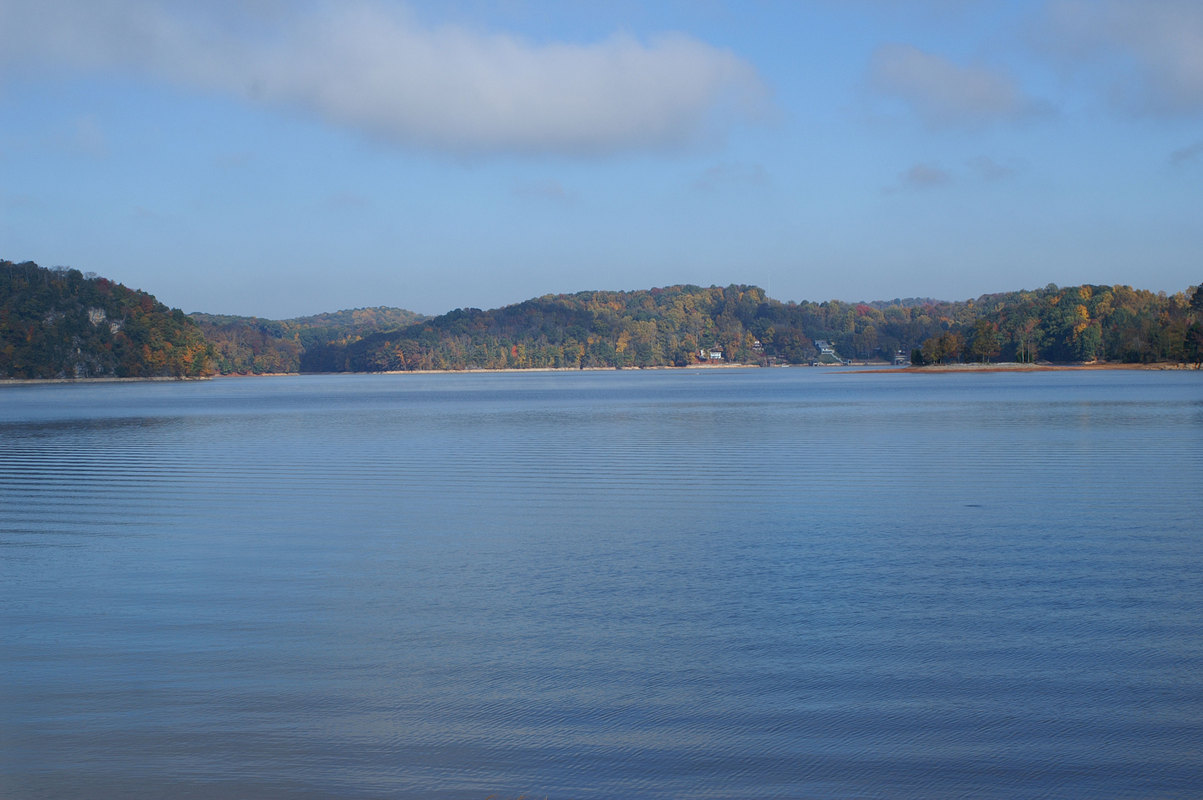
{"points": [[60, 323], [652, 327], [250, 345], [683, 325]]}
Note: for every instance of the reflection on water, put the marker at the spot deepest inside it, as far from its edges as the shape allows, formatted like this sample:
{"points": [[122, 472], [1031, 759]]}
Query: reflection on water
{"points": [[762, 583]]}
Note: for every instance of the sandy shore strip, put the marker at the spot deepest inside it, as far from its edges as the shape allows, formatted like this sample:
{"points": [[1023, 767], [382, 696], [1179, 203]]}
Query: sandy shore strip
{"points": [[931, 369], [36, 381], [1012, 366]]}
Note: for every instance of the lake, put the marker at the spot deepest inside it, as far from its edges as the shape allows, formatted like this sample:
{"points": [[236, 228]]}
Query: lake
{"points": [[787, 583]]}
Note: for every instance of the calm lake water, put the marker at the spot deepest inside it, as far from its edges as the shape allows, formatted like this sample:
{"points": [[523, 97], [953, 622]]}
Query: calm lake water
{"points": [[793, 583]]}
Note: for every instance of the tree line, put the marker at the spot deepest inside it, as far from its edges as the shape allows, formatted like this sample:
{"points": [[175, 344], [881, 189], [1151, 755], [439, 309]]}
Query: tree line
{"points": [[683, 325], [255, 346], [62, 323], [1074, 324]]}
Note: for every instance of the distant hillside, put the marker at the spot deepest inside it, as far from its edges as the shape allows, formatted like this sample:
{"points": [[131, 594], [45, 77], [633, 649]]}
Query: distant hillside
{"points": [[683, 325], [59, 323], [250, 345]]}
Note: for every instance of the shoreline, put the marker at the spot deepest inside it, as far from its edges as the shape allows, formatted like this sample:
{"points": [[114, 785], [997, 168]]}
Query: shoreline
{"points": [[478, 370], [1012, 366], [863, 368], [860, 368], [40, 381]]}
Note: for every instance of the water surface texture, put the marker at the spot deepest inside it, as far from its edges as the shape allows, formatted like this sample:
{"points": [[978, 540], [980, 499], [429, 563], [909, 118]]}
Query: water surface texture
{"points": [[792, 583]]}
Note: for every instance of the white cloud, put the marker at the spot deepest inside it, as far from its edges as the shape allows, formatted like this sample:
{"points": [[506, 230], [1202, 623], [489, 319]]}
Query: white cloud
{"points": [[375, 68], [1152, 49], [945, 93]]}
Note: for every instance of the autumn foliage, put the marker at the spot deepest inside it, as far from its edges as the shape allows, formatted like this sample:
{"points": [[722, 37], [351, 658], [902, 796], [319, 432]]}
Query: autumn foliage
{"points": [[59, 323], [678, 325]]}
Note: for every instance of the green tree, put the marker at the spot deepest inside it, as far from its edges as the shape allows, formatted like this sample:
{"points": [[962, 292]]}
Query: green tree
{"points": [[984, 344]]}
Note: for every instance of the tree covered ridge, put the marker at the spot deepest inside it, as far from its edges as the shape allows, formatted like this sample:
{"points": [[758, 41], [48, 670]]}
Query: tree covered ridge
{"points": [[682, 325], [252, 346], [60, 323], [653, 327], [1075, 324]]}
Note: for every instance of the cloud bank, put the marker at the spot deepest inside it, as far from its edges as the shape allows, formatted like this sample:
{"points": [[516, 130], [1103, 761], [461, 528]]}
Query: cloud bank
{"points": [[374, 68], [1151, 50], [944, 93]]}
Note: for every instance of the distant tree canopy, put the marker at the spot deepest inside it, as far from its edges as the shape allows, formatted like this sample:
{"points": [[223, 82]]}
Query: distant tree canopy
{"points": [[59, 323], [253, 346], [1194, 333], [656, 327], [1071, 324], [680, 325]]}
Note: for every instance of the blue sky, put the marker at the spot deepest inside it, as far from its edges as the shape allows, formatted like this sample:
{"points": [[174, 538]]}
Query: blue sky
{"points": [[287, 157]]}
